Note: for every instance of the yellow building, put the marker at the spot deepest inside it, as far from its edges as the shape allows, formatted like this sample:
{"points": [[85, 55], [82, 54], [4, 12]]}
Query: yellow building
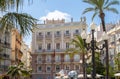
{"points": [[16, 40]]}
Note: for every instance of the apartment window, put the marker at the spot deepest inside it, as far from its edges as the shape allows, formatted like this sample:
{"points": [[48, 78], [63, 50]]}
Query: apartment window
{"points": [[57, 58], [48, 68], [39, 58], [76, 31], [48, 33], [76, 67], [67, 45], [67, 32], [57, 45], [58, 32], [67, 58], [48, 58], [76, 57], [39, 68], [40, 33], [67, 67], [40, 47], [57, 67], [48, 46]]}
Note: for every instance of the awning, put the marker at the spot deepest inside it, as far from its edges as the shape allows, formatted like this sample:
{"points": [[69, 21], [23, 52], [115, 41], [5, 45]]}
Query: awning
{"points": [[117, 74]]}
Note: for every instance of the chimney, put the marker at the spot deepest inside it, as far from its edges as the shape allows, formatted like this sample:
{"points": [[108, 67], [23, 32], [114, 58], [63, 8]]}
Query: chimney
{"points": [[71, 19], [44, 21]]}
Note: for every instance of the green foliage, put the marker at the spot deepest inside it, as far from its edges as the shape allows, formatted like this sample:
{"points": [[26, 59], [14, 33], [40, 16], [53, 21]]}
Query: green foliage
{"points": [[117, 62], [99, 66], [21, 21], [18, 71], [99, 6], [11, 4]]}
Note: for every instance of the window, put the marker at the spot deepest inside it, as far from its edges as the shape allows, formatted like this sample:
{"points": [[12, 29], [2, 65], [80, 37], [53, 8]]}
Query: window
{"points": [[67, 58], [39, 68], [57, 58], [67, 32], [76, 31], [48, 68], [67, 45], [57, 45], [76, 67], [76, 58], [48, 58], [67, 67], [40, 47], [40, 33], [39, 59], [48, 33], [48, 46], [57, 67], [58, 32]]}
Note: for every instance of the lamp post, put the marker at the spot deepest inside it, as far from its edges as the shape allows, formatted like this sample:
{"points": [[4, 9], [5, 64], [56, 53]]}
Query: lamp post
{"points": [[90, 43]]}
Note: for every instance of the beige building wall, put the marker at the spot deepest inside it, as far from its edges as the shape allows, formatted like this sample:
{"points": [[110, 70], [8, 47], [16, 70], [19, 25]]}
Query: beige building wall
{"points": [[26, 57], [16, 40]]}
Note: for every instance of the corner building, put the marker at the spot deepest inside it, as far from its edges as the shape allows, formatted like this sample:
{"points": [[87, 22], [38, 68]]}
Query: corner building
{"points": [[49, 43]]}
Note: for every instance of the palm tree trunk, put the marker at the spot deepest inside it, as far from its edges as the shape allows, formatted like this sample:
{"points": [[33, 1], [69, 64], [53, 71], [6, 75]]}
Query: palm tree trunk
{"points": [[83, 63], [102, 17]]}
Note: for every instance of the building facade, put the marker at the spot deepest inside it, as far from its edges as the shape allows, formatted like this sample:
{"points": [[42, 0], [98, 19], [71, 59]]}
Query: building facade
{"points": [[49, 43], [113, 31], [5, 52], [26, 57], [16, 42]]}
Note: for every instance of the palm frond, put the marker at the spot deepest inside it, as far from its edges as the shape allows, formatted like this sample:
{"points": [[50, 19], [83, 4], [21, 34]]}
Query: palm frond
{"points": [[114, 10], [21, 21], [114, 2], [11, 4], [88, 10], [94, 15]]}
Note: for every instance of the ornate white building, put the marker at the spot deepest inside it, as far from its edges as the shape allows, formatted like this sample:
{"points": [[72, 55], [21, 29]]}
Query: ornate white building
{"points": [[49, 43], [113, 31]]}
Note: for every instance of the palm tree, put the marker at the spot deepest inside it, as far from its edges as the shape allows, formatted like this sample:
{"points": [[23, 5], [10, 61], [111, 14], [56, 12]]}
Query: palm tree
{"points": [[18, 71], [99, 7], [21, 21], [80, 48]]}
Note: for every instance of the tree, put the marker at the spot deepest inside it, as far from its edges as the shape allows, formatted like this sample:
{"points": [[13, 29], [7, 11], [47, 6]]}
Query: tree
{"points": [[21, 21], [18, 71], [117, 62], [99, 66], [80, 48], [99, 7]]}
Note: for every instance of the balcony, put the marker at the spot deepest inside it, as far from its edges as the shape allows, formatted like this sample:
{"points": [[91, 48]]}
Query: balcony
{"points": [[48, 37], [5, 44], [76, 33], [5, 56], [39, 37], [67, 35], [57, 36]]}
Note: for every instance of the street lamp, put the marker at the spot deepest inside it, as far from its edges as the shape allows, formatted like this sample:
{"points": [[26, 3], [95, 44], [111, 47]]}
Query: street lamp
{"points": [[90, 43]]}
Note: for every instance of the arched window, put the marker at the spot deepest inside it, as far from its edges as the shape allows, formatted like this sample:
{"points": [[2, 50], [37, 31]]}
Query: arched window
{"points": [[67, 58], [39, 59], [57, 58], [76, 58], [48, 58]]}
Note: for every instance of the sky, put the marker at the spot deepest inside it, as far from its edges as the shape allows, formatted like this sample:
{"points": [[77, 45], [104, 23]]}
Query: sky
{"points": [[42, 9]]}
